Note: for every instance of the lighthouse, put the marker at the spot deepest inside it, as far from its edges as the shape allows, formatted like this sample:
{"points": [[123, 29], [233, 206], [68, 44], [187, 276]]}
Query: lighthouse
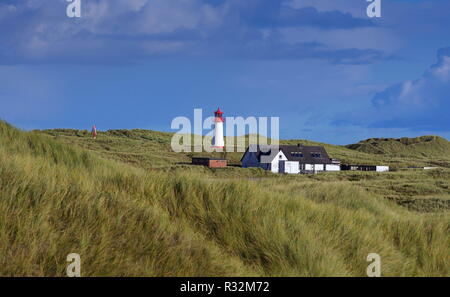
{"points": [[218, 141]]}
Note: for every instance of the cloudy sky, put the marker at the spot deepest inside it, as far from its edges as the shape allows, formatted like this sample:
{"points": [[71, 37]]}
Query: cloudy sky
{"points": [[324, 67]]}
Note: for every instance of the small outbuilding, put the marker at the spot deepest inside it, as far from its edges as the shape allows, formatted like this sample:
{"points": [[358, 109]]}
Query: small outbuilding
{"points": [[365, 168], [210, 162]]}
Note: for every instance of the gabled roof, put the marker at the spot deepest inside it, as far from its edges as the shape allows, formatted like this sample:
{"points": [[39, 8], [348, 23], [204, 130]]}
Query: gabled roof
{"points": [[301, 153]]}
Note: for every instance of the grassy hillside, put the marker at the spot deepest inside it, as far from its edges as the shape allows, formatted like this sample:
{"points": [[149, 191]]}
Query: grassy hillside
{"points": [[151, 149], [122, 219], [424, 146]]}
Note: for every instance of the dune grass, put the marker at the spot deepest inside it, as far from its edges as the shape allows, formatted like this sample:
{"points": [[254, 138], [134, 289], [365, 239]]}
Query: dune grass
{"points": [[151, 149], [127, 221], [427, 146]]}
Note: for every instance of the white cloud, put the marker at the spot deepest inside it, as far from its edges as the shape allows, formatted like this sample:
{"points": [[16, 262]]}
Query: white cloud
{"points": [[421, 104]]}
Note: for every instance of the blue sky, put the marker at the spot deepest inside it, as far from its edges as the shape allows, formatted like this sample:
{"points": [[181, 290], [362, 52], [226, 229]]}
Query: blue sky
{"points": [[327, 70]]}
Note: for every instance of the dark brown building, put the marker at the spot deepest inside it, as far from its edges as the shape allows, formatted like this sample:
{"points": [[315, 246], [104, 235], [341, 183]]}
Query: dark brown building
{"points": [[210, 162]]}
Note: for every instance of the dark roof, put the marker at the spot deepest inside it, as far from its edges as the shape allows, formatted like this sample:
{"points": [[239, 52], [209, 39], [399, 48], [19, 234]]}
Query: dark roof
{"points": [[301, 153]]}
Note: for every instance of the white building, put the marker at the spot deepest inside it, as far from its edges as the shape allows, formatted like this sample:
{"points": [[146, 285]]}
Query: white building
{"points": [[218, 140], [292, 159], [382, 168]]}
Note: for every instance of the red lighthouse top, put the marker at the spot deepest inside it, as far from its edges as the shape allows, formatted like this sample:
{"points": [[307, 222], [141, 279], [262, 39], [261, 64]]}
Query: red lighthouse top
{"points": [[218, 113]]}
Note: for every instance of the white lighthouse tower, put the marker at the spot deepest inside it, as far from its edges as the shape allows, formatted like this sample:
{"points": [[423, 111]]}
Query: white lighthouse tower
{"points": [[218, 141]]}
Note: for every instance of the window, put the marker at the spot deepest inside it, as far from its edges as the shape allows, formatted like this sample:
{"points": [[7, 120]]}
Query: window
{"points": [[316, 155], [297, 154], [281, 156]]}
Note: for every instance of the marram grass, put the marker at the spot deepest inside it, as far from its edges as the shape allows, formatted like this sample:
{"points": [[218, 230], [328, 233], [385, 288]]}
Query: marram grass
{"points": [[126, 221]]}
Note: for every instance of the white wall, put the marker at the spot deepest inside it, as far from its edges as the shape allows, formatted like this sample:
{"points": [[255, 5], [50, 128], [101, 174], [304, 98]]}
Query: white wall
{"points": [[291, 167], [274, 166], [314, 167], [218, 140], [332, 167], [430, 168], [382, 168]]}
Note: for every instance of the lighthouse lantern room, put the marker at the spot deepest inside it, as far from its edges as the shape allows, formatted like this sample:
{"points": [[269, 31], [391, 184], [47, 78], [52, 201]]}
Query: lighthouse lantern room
{"points": [[218, 140]]}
